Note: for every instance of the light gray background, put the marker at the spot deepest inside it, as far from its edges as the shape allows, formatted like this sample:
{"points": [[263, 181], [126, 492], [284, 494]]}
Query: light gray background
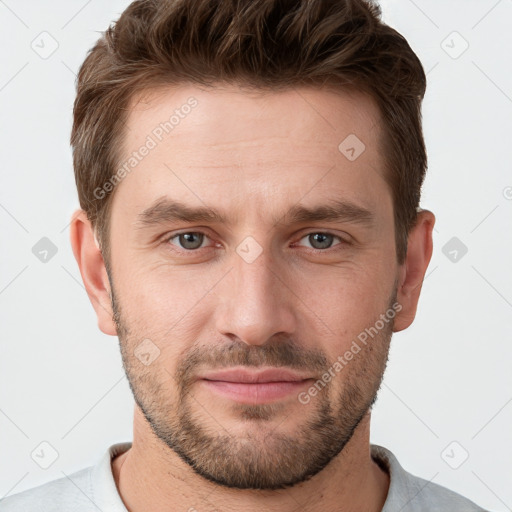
{"points": [[449, 377]]}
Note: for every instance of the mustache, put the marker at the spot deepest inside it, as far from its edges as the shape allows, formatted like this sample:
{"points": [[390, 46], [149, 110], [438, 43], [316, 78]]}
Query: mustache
{"points": [[275, 353]]}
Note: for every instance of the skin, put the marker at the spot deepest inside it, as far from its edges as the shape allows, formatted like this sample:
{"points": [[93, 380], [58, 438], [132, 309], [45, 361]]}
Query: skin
{"points": [[253, 156]]}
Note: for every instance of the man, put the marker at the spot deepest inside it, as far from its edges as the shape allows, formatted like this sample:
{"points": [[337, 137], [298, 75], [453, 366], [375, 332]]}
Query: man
{"points": [[249, 175]]}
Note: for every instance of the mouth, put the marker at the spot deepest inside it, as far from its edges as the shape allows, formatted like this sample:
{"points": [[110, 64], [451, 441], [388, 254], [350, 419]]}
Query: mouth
{"points": [[255, 387]]}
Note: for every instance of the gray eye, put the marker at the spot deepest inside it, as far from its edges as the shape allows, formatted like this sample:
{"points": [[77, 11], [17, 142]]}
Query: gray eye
{"points": [[190, 240], [321, 240]]}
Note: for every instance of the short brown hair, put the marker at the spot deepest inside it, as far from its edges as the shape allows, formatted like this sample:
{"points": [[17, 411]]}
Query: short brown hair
{"points": [[266, 44]]}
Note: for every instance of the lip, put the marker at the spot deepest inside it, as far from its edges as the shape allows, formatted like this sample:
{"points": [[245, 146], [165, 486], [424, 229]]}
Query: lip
{"points": [[261, 376], [255, 387]]}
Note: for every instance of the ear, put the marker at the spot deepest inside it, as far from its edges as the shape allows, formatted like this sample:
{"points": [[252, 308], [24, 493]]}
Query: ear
{"points": [[412, 272], [93, 271]]}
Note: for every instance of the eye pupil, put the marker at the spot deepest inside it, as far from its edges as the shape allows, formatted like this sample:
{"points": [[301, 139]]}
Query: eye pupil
{"points": [[186, 240], [323, 239]]}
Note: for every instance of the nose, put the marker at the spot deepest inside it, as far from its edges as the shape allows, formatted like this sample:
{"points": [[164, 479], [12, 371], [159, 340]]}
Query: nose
{"points": [[255, 301]]}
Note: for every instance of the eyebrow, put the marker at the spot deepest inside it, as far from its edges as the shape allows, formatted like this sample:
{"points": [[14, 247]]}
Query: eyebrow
{"points": [[166, 210]]}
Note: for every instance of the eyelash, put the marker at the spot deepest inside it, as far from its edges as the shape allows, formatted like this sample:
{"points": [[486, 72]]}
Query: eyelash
{"points": [[168, 238]]}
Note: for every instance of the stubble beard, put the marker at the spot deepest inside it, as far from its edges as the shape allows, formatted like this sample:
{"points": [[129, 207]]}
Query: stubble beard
{"points": [[265, 457]]}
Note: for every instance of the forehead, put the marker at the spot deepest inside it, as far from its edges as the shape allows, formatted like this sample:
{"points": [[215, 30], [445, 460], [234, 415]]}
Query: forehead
{"points": [[311, 114], [273, 146]]}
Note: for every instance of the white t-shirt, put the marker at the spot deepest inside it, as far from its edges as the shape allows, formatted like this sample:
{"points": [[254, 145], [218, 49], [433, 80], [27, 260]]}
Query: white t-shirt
{"points": [[94, 489]]}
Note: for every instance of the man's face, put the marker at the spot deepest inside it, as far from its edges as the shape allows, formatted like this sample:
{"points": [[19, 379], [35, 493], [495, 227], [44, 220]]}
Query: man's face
{"points": [[259, 289]]}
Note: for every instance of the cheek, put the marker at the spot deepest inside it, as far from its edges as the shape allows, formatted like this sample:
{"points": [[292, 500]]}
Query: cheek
{"points": [[346, 292], [160, 296], [168, 307], [347, 304]]}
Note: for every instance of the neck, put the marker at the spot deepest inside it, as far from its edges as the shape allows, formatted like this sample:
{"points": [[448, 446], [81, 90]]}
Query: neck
{"points": [[150, 476]]}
